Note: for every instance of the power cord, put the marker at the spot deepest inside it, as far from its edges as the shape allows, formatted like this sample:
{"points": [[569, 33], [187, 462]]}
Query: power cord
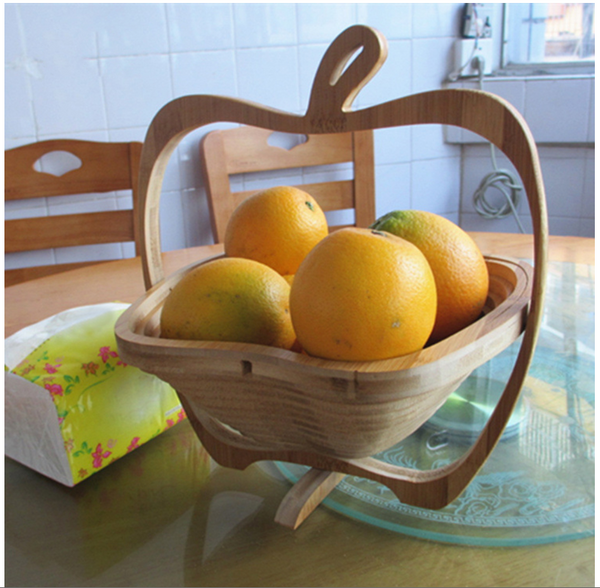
{"points": [[500, 179]]}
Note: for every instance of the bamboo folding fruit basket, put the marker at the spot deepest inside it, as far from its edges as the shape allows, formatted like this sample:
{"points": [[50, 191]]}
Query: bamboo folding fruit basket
{"points": [[249, 403]]}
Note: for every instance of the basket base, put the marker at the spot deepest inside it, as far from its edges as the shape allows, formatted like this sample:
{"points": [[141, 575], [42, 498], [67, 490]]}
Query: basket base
{"points": [[425, 489], [305, 496]]}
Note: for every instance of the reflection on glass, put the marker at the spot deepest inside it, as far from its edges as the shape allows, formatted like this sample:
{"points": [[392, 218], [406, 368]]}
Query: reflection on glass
{"points": [[111, 515], [228, 511]]}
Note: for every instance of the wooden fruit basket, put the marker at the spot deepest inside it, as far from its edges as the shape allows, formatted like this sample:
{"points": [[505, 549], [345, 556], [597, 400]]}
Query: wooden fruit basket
{"points": [[249, 403]]}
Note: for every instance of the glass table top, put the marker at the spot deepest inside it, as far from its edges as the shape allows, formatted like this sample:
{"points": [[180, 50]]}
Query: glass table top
{"points": [[538, 484]]}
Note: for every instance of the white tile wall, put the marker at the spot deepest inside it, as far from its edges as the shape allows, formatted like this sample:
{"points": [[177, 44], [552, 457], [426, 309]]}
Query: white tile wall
{"points": [[269, 76], [568, 174], [277, 25], [322, 22], [199, 27], [561, 116], [102, 71], [545, 98], [394, 20]]}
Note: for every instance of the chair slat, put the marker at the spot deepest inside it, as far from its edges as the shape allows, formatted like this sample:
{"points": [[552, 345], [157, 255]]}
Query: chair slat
{"points": [[30, 234], [329, 195], [105, 167], [246, 149]]}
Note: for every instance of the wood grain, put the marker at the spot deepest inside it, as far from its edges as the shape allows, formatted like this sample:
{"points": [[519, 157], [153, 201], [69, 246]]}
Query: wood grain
{"points": [[273, 381], [104, 167], [245, 149], [305, 496], [69, 230], [249, 403]]}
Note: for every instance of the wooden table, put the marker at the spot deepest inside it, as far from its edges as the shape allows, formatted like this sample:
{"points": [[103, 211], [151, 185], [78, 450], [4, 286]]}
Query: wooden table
{"points": [[165, 515]]}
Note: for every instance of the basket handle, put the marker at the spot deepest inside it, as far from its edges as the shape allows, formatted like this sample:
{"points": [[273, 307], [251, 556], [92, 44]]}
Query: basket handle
{"points": [[329, 111], [338, 80], [334, 88]]}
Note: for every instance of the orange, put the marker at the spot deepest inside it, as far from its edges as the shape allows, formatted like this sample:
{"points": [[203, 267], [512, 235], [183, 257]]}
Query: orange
{"points": [[363, 295], [459, 268], [230, 299], [277, 227]]}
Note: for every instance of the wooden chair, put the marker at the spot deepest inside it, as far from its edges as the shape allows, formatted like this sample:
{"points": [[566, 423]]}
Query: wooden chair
{"points": [[104, 167], [246, 149]]}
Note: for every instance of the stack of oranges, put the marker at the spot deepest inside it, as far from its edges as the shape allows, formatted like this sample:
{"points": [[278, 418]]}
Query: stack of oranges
{"points": [[353, 294]]}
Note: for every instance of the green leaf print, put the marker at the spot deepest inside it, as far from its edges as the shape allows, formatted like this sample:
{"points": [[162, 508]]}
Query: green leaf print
{"points": [[71, 382], [84, 449], [107, 369]]}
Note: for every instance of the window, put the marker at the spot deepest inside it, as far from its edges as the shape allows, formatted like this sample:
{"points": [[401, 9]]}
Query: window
{"points": [[549, 38]]}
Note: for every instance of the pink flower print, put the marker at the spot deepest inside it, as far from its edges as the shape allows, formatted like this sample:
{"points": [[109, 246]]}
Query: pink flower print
{"points": [[52, 369], [120, 362], [90, 368], [170, 423], [69, 445], [135, 443], [180, 415], [54, 389], [111, 443], [98, 456], [106, 353], [82, 473]]}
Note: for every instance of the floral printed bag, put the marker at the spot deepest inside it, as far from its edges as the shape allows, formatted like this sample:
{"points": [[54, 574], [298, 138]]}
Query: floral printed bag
{"points": [[72, 406]]}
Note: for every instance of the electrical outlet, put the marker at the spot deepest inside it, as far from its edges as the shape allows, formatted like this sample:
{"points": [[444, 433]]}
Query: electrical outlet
{"points": [[466, 52]]}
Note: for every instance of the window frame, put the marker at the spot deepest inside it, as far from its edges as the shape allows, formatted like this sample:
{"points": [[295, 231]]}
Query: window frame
{"points": [[561, 68]]}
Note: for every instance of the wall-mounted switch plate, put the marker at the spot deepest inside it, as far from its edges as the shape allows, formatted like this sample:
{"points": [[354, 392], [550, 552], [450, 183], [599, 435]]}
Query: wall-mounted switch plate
{"points": [[465, 52]]}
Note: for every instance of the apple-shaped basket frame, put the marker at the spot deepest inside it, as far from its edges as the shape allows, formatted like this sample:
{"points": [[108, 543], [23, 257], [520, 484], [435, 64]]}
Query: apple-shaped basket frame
{"points": [[249, 403]]}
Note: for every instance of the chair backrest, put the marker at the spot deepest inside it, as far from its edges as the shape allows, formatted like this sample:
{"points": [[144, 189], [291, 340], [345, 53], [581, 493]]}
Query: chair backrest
{"points": [[246, 149], [104, 167]]}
